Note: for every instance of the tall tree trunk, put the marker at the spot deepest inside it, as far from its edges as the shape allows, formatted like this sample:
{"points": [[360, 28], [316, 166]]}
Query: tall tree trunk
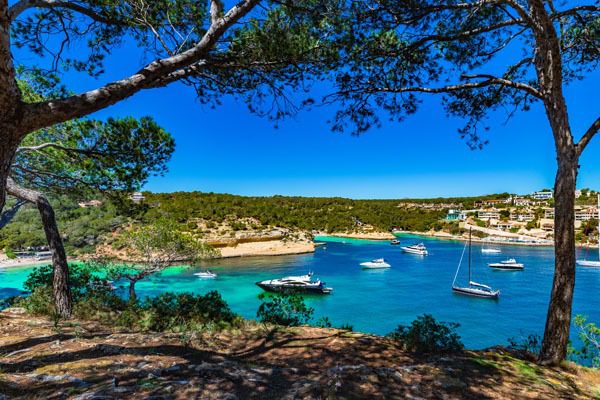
{"points": [[558, 320], [61, 288], [132, 295]]}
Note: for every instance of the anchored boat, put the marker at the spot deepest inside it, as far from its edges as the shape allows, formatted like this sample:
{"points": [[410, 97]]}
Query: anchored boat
{"points": [[206, 275], [473, 289], [296, 284], [511, 264], [375, 264], [419, 249]]}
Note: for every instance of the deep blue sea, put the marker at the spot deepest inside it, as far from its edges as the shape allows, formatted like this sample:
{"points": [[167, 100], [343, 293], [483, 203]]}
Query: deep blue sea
{"points": [[376, 301]]}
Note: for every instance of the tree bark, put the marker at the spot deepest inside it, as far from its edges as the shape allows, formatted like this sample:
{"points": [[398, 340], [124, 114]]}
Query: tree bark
{"points": [[8, 215], [61, 288], [558, 320], [132, 295]]}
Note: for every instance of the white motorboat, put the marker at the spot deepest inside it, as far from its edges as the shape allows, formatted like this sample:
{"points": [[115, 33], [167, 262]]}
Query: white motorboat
{"points": [[419, 249], [302, 283], [510, 264], [206, 275], [490, 251], [592, 263], [473, 289], [375, 264]]}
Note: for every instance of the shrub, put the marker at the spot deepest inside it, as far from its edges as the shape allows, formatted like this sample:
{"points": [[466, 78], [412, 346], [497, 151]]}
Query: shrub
{"points": [[427, 335], [39, 302], [81, 281], [323, 322], [530, 344], [589, 333], [284, 309], [10, 253], [171, 311]]}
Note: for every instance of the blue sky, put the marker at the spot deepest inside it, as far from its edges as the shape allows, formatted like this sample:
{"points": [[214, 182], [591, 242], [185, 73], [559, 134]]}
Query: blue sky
{"points": [[228, 149]]}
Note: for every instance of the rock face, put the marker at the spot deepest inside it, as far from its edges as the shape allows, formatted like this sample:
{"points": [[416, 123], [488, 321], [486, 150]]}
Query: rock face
{"points": [[86, 361]]}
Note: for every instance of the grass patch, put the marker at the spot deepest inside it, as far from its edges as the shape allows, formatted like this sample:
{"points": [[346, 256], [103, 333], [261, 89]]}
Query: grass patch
{"points": [[484, 362]]}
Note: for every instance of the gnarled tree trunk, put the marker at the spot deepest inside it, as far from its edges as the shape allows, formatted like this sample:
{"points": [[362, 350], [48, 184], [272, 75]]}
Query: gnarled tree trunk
{"points": [[61, 289], [558, 320]]}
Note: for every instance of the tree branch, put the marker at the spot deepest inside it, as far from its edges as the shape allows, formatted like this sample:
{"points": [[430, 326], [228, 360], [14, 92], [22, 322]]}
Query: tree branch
{"points": [[8, 215], [21, 6], [587, 137], [43, 114], [59, 147], [506, 82]]}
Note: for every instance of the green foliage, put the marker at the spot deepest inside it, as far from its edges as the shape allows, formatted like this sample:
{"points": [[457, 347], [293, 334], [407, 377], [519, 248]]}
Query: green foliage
{"points": [[589, 334], [10, 253], [530, 344], [426, 335], [323, 322], [183, 311], [284, 309], [40, 302], [82, 281]]}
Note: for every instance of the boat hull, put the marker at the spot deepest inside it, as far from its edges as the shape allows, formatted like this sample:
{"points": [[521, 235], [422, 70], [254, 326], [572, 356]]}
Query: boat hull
{"points": [[586, 263], [293, 289], [413, 251], [516, 267], [476, 292], [375, 265]]}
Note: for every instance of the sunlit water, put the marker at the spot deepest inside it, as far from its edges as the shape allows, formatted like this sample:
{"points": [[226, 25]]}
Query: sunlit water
{"points": [[376, 301]]}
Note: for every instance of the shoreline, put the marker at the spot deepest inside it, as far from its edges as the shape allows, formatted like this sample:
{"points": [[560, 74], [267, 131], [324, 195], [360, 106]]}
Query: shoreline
{"points": [[383, 236], [447, 236]]}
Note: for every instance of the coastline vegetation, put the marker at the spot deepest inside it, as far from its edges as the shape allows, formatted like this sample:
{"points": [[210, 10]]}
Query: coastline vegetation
{"points": [[84, 228]]}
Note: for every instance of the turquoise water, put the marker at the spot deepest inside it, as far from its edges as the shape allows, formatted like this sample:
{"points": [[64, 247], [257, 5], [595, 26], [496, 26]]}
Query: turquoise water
{"points": [[377, 301]]}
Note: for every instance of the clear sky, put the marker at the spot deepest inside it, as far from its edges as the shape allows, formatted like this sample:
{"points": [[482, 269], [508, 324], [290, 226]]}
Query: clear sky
{"points": [[228, 149]]}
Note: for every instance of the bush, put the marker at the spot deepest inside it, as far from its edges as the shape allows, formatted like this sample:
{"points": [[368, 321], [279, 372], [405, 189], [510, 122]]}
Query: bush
{"points": [[39, 302], [10, 253], [81, 281], [426, 335], [284, 309], [530, 344], [171, 311], [589, 333]]}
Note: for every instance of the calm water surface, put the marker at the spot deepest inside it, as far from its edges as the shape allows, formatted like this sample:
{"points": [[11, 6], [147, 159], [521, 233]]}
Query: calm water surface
{"points": [[377, 301]]}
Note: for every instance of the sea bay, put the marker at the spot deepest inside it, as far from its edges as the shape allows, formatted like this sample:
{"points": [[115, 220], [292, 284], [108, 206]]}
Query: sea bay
{"points": [[376, 301]]}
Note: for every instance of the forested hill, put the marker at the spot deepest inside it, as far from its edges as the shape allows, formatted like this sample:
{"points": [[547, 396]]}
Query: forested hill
{"points": [[83, 228]]}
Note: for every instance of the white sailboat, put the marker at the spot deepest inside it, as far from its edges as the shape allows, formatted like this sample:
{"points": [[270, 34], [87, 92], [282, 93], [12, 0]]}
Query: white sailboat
{"points": [[473, 289], [591, 263]]}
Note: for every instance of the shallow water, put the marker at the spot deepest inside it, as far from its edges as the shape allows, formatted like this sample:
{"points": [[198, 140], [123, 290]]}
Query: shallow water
{"points": [[377, 301]]}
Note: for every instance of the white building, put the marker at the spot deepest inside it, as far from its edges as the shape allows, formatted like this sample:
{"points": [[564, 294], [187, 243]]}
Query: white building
{"points": [[137, 197], [543, 195], [488, 214], [585, 214]]}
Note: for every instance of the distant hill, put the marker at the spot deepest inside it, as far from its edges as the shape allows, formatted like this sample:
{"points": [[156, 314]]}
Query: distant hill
{"points": [[84, 228]]}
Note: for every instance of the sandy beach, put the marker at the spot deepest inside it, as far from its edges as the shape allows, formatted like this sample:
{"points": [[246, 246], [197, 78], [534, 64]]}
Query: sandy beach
{"points": [[361, 235]]}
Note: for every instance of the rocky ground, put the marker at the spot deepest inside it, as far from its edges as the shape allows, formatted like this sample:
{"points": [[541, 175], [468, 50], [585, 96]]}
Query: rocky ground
{"points": [[79, 360]]}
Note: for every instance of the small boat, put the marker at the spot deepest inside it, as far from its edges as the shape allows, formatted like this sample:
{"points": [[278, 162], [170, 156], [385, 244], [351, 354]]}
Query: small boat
{"points": [[419, 249], [375, 264], [206, 275], [510, 264], [395, 242], [588, 263], [490, 251], [296, 284], [473, 289], [592, 263]]}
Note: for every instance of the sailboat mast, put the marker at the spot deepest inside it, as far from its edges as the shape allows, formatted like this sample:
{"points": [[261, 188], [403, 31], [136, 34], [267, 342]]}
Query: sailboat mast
{"points": [[598, 226], [470, 255]]}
